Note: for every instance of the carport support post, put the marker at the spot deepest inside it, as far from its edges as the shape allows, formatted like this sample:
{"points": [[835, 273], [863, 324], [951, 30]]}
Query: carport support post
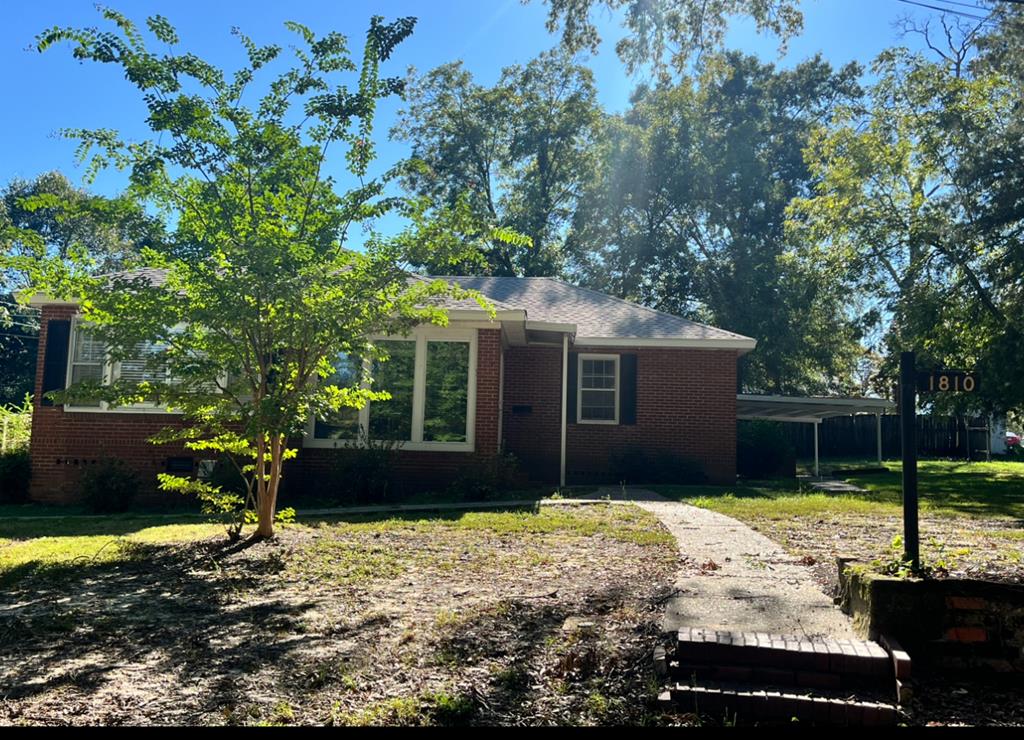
{"points": [[908, 434], [816, 423], [878, 436]]}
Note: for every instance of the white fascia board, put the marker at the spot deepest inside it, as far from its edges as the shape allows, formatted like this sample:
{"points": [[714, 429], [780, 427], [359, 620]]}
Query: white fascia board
{"points": [[478, 314], [739, 343], [37, 300], [551, 326], [797, 419], [881, 403]]}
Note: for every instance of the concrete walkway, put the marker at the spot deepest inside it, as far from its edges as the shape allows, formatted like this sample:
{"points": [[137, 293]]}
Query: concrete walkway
{"points": [[834, 485], [735, 579]]}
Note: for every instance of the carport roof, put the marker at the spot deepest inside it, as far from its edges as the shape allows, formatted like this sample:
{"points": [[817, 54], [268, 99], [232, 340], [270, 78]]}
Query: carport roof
{"points": [[806, 408]]}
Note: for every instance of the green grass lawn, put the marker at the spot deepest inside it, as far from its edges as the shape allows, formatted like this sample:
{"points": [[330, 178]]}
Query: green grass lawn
{"points": [[971, 515], [950, 488], [36, 546]]}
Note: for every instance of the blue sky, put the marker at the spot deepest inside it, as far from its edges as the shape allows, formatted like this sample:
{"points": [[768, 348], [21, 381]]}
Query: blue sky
{"points": [[45, 92]]}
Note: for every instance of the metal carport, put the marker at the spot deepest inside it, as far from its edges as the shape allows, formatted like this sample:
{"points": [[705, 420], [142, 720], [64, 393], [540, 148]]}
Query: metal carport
{"points": [[811, 410]]}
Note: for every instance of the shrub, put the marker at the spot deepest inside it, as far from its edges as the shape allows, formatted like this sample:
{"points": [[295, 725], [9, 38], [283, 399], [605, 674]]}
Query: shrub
{"points": [[365, 473], [764, 451], [108, 487], [636, 466], [485, 479], [15, 471]]}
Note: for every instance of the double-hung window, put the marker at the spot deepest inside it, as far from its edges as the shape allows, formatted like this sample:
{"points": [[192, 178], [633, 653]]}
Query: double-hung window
{"points": [[598, 389], [88, 361], [431, 378]]}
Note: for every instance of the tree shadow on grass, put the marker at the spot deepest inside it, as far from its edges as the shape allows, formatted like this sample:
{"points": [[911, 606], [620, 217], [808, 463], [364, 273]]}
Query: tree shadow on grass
{"points": [[172, 611]]}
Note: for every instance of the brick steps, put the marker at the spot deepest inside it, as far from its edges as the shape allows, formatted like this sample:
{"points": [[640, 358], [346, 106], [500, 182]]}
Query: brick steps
{"points": [[743, 705], [763, 677]]}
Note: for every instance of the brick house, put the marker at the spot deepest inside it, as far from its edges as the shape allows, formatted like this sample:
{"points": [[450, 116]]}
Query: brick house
{"points": [[566, 379]]}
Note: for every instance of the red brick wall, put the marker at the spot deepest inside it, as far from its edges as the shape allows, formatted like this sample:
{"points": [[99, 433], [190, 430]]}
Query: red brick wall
{"points": [[686, 406], [64, 443], [533, 378]]}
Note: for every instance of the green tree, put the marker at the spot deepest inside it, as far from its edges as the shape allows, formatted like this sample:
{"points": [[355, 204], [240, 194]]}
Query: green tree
{"points": [[49, 216], [669, 33], [894, 201], [686, 214], [256, 294], [516, 152]]}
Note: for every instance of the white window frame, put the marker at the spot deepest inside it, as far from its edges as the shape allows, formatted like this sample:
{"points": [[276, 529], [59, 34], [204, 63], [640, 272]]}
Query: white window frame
{"points": [[579, 388], [110, 374], [421, 336]]}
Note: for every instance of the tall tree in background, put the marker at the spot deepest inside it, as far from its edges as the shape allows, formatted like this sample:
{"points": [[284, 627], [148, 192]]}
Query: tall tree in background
{"points": [[903, 198], [669, 34], [50, 216], [686, 213], [516, 153]]}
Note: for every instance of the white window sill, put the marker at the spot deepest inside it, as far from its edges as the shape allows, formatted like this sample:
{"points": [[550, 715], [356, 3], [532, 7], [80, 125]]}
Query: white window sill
{"points": [[332, 444], [121, 410]]}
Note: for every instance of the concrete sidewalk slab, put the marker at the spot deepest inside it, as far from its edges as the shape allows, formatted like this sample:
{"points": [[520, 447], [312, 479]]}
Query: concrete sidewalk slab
{"points": [[735, 579]]}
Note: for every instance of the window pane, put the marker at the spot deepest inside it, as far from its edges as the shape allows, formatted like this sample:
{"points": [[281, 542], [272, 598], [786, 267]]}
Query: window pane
{"points": [[87, 373], [392, 419], [598, 374], [597, 405], [144, 365], [343, 423], [447, 392], [87, 347]]}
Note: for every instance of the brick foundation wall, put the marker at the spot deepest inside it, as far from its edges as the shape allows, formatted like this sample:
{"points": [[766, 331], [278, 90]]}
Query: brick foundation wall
{"points": [[686, 406], [64, 443]]}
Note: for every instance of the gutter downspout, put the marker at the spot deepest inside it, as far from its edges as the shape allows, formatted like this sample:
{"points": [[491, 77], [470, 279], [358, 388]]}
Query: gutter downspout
{"points": [[565, 395]]}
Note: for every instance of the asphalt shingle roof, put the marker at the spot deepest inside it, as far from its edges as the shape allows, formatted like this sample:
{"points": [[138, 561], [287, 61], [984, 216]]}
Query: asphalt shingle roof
{"points": [[595, 314]]}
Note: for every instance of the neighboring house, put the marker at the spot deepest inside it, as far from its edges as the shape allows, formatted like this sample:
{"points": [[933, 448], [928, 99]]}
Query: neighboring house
{"points": [[564, 378]]}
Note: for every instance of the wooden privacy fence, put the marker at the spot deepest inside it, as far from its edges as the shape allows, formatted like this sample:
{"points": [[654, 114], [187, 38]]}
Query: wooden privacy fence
{"points": [[855, 436]]}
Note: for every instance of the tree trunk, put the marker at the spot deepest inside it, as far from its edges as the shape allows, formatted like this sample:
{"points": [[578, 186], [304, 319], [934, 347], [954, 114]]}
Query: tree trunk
{"points": [[267, 487]]}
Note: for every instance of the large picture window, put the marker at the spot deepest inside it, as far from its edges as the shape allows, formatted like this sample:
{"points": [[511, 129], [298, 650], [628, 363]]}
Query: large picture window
{"points": [[598, 389], [447, 392], [392, 419], [343, 423], [431, 378]]}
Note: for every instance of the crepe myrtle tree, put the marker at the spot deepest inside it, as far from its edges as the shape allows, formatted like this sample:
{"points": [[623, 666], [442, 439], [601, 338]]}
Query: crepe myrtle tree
{"points": [[256, 291]]}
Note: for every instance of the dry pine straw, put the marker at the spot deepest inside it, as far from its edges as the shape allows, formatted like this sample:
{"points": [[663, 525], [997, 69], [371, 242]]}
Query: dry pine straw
{"points": [[446, 620], [964, 547]]}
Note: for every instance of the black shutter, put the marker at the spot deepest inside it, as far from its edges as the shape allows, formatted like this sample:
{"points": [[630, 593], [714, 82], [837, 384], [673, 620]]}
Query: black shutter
{"points": [[55, 359], [627, 389], [574, 358]]}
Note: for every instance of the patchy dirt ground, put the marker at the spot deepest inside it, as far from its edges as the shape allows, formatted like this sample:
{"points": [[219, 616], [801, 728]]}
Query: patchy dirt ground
{"points": [[958, 547], [490, 618]]}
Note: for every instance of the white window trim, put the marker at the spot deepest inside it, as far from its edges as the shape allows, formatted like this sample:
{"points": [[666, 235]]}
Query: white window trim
{"points": [[421, 337], [579, 389], [110, 373]]}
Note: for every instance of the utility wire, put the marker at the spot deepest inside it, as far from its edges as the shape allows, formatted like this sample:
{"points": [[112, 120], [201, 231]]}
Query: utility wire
{"points": [[950, 11]]}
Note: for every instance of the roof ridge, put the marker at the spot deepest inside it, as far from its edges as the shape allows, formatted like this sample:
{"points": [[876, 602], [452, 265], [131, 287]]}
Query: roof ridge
{"points": [[642, 306]]}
